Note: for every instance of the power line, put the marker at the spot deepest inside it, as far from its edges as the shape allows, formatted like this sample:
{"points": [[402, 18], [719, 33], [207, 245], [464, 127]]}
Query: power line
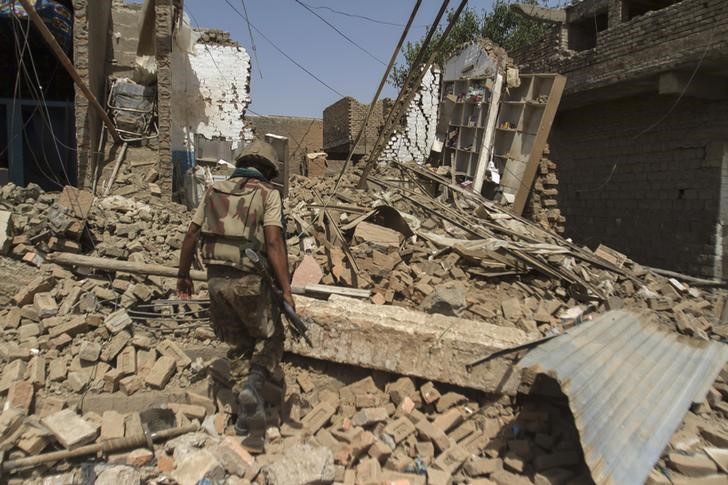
{"points": [[363, 17], [352, 42], [383, 81], [276, 47], [252, 40]]}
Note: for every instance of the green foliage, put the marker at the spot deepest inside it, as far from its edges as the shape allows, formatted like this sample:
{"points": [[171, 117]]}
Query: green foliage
{"points": [[501, 25]]}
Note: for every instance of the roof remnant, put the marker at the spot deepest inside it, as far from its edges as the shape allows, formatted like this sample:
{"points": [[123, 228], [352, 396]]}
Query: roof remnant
{"points": [[629, 384]]}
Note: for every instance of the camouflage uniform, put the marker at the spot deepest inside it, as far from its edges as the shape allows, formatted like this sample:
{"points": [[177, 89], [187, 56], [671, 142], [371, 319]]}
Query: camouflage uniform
{"points": [[231, 216]]}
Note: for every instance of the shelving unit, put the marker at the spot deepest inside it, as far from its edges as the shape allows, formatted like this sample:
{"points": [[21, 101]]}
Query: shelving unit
{"points": [[469, 101], [524, 123], [520, 122]]}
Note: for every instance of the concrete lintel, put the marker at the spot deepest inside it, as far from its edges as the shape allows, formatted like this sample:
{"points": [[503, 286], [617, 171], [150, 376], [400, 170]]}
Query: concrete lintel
{"points": [[700, 86], [409, 342], [552, 15]]}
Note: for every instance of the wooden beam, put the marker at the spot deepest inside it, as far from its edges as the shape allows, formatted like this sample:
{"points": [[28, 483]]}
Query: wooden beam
{"points": [[105, 264], [331, 290], [117, 164], [539, 143], [68, 65], [486, 147]]}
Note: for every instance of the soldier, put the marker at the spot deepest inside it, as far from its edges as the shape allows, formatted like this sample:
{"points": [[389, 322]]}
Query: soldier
{"points": [[243, 212]]}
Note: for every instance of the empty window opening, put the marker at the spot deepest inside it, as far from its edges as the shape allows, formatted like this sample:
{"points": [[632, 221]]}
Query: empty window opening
{"points": [[635, 8], [583, 34]]}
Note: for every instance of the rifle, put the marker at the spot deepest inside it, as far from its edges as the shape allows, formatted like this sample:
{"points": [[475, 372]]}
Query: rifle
{"points": [[298, 326]]}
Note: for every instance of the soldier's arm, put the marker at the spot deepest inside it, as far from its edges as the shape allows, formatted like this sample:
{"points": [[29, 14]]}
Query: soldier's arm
{"points": [[185, 286], [276, 252], [275, 247]]}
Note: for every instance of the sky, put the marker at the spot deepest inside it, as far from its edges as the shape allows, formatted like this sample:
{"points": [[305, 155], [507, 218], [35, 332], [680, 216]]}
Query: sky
{"points": [[285, 89]]}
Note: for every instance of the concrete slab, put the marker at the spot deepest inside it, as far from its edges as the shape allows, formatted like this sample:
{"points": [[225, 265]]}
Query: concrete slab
{"points": [[408, 342]]}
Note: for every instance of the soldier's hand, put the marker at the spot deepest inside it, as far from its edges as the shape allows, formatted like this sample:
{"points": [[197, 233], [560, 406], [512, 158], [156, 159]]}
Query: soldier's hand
{"points": [[288, 298], [185, 287]]}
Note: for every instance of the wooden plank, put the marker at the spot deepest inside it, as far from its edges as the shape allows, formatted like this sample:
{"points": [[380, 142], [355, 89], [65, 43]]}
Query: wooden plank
{"points": [[331, 290], [486, 148], [107, 264], [68, 65], [117, 164], [539, 143]]}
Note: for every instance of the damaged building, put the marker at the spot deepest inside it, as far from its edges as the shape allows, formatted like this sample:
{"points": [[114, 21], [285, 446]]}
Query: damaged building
{"points": [[448, 333], [195, 99], [639, 140]]}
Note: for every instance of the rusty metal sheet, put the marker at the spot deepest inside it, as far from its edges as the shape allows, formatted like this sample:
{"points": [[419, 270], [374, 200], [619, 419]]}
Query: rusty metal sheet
{"points": [[629, 385]]}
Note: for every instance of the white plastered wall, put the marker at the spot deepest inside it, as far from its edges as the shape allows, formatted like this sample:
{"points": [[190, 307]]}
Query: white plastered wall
{"points": [[210, 93], [415, 141]]}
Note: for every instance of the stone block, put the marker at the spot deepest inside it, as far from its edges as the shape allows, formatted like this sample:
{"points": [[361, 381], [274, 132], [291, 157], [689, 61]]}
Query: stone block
{"points": [[89, 351], [451, 459], [38, 285], [159, 375], [36, 372], [697, 465], [45, 304], [139, 457], [78, 380], [74, 326], [57, 369], [318, 417], [117, 321], [112, 425], [369, 416], [233, 457], [478, 467], [170, 349], [448, 420], [399, 429], [12, 372], [126, 361], [131, 384], [117, 343], [69, 429], [428, 431], [20, 396]]}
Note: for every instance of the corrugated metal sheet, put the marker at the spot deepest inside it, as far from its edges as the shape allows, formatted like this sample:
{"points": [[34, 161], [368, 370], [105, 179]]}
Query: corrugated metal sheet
{"points": [[629, 385]]}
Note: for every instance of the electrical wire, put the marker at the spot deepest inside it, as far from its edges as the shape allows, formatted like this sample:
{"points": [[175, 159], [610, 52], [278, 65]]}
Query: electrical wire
{"points": [[39, 96], [252, 40], [351, 41], [283, 53], [52, 177], [372, 105], [363, 17]]}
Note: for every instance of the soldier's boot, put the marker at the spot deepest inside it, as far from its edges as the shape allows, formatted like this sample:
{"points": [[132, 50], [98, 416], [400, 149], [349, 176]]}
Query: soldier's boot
{"points": [[251, 410]]}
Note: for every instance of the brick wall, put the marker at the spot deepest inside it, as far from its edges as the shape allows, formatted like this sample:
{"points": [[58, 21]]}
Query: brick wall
{"points": [[125, 20], [305, 135], [342, 122], [90, 42], [336, 123], [666, 39], [542, 206], [655, 197], [163, 22]]}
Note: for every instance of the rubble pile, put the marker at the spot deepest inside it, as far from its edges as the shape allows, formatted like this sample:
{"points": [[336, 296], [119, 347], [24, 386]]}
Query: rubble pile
{"points": [[458, 254], [115, 227], [107, 360]]}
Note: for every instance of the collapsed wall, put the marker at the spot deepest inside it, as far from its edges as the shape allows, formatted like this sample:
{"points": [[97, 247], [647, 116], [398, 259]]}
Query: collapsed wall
{"points": [[542, 206], [210, 93], [415, 140]]}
